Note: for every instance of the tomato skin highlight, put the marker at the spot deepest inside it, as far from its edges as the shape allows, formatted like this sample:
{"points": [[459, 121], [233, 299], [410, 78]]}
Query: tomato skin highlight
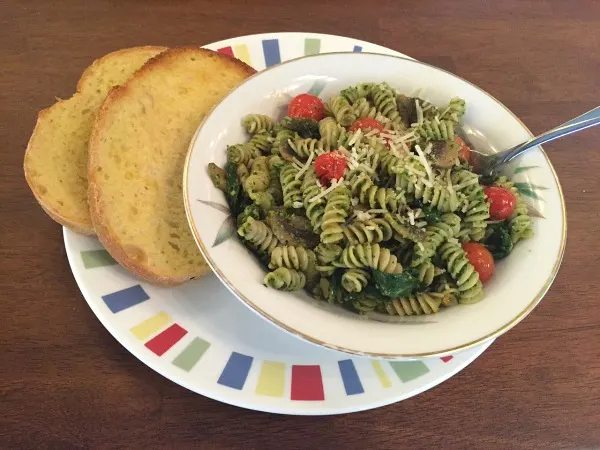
{"points": [[481, 259], [330, 166], [307, 106], [502, 202], [464, 154], [366, 124]]}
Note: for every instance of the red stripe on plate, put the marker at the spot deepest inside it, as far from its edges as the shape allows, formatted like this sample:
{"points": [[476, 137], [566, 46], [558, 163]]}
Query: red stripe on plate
{"points": [[307, 383], [162, 342], [446, 358], [226, 51]]}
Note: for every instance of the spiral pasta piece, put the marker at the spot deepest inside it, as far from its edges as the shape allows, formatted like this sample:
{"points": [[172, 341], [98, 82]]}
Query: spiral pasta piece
{"points": [[338, 107], [437, 233], [285, 279], [259, 178], [337, 209], [475, 206], [326, 255], [330, 132], [369, 255], [355, 280], [437, 194], [260, 143], [292, 196], [353, 93], [241, 154], [462, 271], [455, 110], [427, 271], [258, 234], [368, 232], [310, 189], [281, 141], [362, 108], [418, 304], [304, 147], [292, 257], [384, 99], [257, 123], [519, 223], [369, 194], [432, 130]]}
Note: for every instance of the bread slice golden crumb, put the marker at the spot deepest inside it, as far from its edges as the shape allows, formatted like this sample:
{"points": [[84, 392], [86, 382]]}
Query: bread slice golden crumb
{"points": [[137, 153], [56, 156]]}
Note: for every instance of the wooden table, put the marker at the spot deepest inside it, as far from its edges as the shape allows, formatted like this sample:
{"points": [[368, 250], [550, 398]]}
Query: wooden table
{"points": [[66, 383]]}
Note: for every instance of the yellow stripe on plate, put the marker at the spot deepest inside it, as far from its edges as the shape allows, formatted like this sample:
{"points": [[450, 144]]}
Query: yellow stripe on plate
{"points": [[271, 381], [241, 52], [384, 380], [148, 327]]}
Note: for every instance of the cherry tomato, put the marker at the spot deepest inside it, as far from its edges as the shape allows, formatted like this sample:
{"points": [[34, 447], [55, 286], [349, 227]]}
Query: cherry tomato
{"points": [[502, 202], [366, 124], [306, 105], [481, 258], [330, 166], [464, 154]]}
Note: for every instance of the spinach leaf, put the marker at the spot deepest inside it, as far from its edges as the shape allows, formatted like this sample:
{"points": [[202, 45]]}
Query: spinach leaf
{"points": [[498, 241], [304, 126], [395, 285], [431, 215], [234, 189]]}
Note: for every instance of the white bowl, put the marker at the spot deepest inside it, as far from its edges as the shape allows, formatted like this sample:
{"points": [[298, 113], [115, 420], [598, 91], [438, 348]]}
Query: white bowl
{"points": [[519, 283]]}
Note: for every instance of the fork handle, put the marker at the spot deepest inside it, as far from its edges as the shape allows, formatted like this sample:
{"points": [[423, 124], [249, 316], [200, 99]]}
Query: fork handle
{"points": [[589, 119]]}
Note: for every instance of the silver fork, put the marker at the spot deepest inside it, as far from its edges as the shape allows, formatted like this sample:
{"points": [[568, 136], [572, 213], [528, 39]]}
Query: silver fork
{"points": [[489, 164]]}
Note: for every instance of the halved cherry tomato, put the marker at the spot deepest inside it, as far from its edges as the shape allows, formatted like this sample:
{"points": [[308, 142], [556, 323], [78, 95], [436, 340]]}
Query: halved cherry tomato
{"points": [[306, 105], [481, 258], [366, 124], [330, 166], [464, 154], [502, 202]]}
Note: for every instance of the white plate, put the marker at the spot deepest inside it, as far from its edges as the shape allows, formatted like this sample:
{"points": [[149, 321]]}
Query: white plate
{"points": [[201, 337]]}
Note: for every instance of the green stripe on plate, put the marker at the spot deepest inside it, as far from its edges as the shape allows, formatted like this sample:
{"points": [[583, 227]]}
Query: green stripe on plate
{"points": [[96, 258], [190, 355], [312, 46], [409, 370]]}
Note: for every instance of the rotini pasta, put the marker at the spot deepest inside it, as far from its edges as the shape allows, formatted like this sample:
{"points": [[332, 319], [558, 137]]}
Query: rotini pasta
{"points": [[366, 203], [257, 123], [285, 279]]}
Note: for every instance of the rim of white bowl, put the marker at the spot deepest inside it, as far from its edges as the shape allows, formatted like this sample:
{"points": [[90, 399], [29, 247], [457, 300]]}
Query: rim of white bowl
{"points": [[501, 330]]}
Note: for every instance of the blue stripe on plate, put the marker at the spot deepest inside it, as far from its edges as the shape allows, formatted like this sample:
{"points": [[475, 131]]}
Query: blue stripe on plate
{"points": [[350, 377], [271, 51], [236, 371], [126, 298], [357, 48]]}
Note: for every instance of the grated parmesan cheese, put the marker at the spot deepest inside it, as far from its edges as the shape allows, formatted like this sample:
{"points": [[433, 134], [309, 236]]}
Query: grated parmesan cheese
{"points": [[363, 216], [420, 224], [377, 211], [305, 167], [334, 184], [424, 162], [419, 112], [411, 217], [297, 205]]}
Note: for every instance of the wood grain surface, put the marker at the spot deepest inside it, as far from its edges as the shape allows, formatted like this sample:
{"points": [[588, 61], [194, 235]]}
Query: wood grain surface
{"points": [[65, 382]]}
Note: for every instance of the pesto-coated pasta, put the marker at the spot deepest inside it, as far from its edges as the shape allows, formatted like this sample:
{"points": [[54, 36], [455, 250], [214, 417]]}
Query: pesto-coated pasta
{"points": [[365, 202]]}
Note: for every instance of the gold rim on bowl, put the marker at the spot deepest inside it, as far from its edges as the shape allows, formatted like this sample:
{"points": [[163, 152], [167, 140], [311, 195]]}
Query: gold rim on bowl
{"points": [[309, 338]]}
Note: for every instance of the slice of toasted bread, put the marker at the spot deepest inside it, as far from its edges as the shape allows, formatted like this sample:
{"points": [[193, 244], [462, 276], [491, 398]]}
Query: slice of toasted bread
{"points": [[137, 153], [56, 156]]}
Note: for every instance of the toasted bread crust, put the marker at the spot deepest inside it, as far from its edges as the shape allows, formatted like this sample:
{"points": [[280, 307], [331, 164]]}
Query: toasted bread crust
{"points": [[76, 218], [101, 222]]}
